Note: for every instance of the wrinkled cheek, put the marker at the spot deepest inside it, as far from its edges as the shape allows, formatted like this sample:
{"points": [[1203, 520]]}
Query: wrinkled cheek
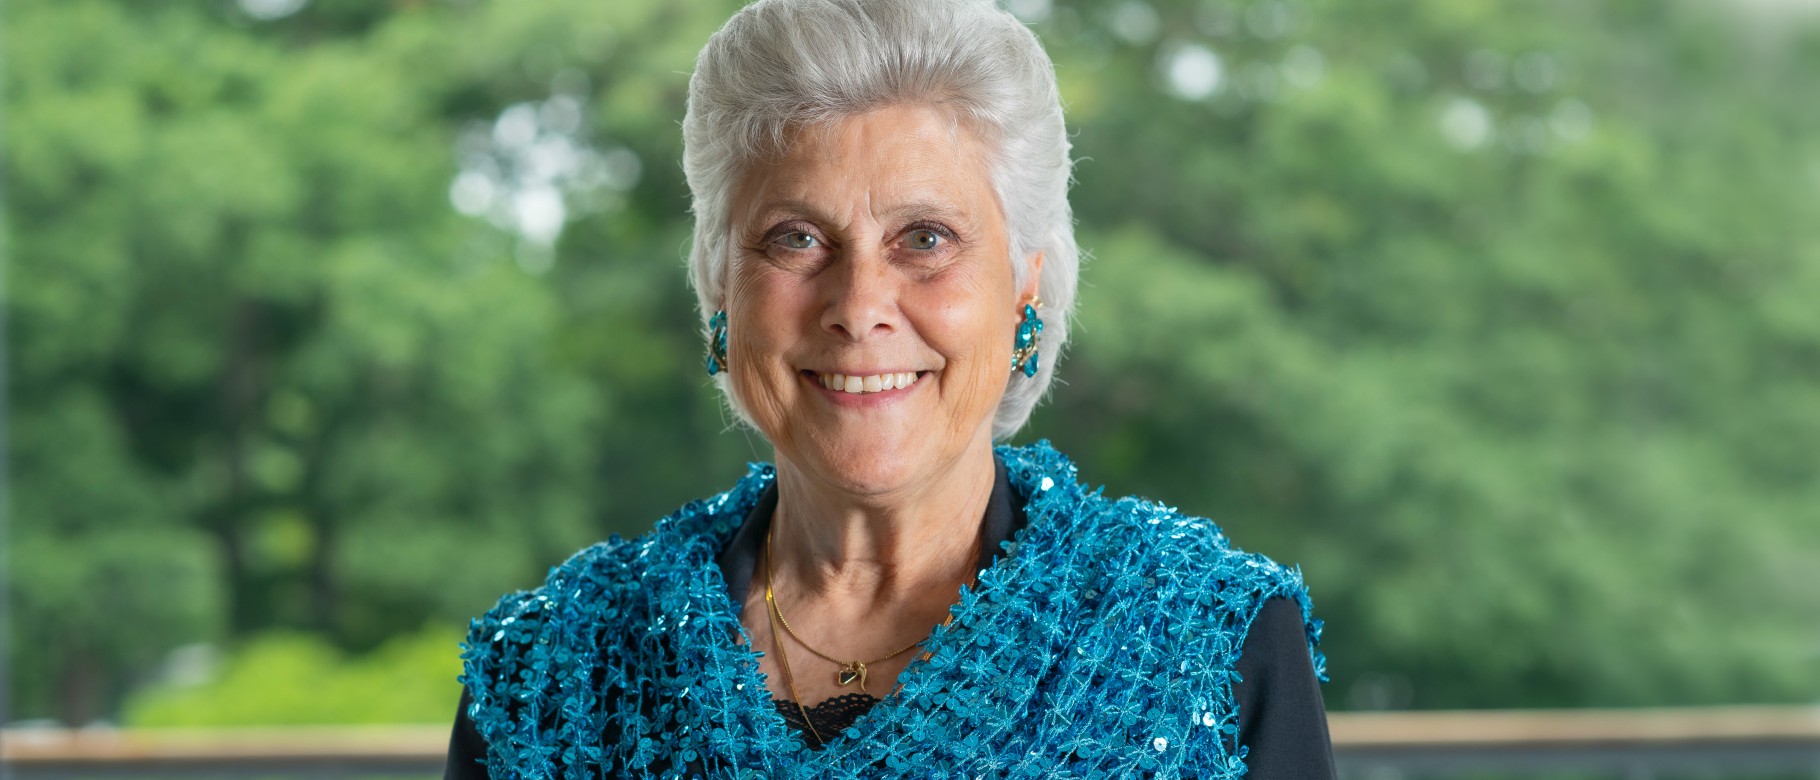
{"points": [[976, 398], [755, 386]]}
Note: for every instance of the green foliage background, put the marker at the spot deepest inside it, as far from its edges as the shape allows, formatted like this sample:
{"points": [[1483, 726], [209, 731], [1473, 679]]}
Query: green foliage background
{"points": [[1498, 318]]}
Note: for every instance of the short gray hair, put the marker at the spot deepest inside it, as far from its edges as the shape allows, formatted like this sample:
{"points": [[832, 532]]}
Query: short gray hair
{"points": [[779, 65]]}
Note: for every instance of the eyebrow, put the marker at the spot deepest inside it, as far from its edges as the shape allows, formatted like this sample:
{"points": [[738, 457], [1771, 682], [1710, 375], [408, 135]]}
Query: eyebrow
{"points": [[771, 210], [913, 210]]}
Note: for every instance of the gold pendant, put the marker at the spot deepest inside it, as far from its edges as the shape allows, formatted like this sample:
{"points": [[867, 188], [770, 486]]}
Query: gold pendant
{"points": [[854, 671]]}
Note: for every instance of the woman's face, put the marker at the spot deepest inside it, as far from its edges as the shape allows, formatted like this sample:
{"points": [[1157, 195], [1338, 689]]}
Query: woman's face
{"points": [[871, 307]]}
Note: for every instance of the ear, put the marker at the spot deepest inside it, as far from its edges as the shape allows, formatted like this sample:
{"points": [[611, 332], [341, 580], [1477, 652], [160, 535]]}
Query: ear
{"points": [[1033, 281]]}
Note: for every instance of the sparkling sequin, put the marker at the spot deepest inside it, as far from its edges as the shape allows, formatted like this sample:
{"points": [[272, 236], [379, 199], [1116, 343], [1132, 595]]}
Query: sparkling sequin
{"points": [[589, 675]]}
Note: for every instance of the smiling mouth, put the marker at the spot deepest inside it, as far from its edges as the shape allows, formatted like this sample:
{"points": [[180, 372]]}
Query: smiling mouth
{"points": [[861, 385]]}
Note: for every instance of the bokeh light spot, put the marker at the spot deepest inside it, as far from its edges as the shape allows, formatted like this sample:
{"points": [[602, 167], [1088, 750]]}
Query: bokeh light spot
{"points": [[1193, 71], [1465, 123], [269, 10]]}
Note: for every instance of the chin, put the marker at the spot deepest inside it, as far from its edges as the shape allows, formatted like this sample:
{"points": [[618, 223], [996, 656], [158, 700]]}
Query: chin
{"points": [[870, 474], [871, 468]]}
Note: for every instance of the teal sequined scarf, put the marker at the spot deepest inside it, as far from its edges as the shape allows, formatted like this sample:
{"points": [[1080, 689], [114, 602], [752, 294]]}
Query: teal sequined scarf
{"points": [[1102, 645]]}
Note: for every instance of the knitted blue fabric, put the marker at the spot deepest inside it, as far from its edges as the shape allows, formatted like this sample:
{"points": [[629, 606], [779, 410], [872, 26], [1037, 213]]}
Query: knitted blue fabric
{"points": [[1102, 645]]}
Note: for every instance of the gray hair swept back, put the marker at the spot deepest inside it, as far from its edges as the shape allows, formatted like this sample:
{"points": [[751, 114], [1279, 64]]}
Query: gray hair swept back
{"points": [[778, 65]]}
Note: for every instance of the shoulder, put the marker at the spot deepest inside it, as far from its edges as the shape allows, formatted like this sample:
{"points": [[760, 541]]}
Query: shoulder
{"points": [[601, 567], [1179, 568], [528, 637]]}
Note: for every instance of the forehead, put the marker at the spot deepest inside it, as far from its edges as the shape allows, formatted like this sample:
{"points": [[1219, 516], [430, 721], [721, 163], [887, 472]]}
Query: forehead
{"points": [[873, 163]]}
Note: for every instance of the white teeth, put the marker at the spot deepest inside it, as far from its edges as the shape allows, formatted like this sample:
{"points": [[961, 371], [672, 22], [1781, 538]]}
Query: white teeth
{"points": [[866, 384]]}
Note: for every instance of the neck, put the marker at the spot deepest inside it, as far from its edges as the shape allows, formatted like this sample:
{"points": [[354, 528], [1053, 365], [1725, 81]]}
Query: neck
{"points": [[883, 548]]}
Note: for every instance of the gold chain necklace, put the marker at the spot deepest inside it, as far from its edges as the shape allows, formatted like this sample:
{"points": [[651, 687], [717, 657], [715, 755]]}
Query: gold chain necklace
{"points": [[783, 658], [851, 671]]}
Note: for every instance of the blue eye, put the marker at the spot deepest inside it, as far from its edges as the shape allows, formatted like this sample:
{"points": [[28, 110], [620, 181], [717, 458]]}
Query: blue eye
{"points": [[797, 239], [923, 238]]}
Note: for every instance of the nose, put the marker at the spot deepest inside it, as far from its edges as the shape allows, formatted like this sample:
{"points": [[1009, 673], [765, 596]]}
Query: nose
{"points": [[860, 299]]}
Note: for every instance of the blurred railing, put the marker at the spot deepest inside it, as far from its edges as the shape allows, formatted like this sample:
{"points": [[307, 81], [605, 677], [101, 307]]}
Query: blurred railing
{"points": [[1730, 742], [328, 753], [1733, 743]]}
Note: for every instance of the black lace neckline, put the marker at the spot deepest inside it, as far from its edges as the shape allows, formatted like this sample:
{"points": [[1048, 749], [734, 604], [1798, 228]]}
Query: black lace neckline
{"points": [[831, 717]]}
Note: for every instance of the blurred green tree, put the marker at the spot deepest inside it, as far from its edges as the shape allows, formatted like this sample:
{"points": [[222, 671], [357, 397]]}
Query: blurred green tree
{"points": [[1488, 314], [263, 375]]}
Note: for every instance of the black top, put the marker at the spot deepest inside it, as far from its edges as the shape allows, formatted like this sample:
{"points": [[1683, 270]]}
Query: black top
{"points": [[1281, 717]]}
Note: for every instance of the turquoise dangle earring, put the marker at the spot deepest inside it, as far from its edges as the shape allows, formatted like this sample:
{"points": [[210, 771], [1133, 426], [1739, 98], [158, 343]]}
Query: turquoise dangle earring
{"points": [[717, 342], [1023, 354]]}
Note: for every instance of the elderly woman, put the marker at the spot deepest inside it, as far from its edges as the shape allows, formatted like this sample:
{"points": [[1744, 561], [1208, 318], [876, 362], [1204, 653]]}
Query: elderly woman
{"points": [[885, 261]]}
